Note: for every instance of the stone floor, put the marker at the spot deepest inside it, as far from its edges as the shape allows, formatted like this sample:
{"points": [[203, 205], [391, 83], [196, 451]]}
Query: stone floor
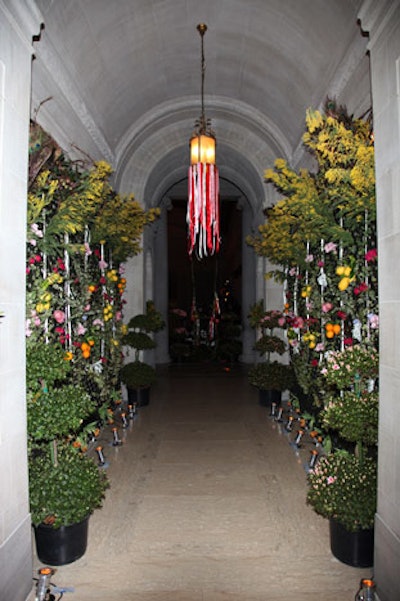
{"points": [[207, 503]]}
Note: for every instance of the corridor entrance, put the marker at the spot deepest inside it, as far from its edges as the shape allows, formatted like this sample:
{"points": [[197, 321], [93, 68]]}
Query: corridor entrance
{"points": [[204, 294], [207, 503]]}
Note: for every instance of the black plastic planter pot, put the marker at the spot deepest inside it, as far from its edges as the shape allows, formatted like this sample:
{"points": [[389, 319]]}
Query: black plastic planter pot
{"points": [[59, 546], [352, 548], [267, 397], [141, 396]]}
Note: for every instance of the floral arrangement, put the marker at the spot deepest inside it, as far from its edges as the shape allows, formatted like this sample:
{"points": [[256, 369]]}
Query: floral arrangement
{"points": [[355, 366], [354, 415], [80, 233], [269, 374], [270, 344], [343, 488], [321, 236]]}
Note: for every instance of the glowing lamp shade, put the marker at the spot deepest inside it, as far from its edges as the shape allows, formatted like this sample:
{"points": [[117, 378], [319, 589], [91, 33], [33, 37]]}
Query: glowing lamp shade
{"points": [[202, 149], [202, 215]]}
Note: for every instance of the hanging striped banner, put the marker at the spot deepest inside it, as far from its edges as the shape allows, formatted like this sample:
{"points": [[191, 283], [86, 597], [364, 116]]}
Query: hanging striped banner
{"points": [[202, 214]]}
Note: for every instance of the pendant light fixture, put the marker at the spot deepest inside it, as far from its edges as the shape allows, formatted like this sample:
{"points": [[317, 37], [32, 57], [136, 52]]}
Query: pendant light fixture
{"points": [[203, 191]]}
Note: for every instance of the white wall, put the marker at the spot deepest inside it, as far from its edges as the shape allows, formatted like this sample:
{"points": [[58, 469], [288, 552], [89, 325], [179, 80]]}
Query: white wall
{"points": [[382, 21], [15, 76]]}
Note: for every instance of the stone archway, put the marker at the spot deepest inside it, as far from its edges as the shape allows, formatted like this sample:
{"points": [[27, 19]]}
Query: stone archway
{"points": [[247, 283]]}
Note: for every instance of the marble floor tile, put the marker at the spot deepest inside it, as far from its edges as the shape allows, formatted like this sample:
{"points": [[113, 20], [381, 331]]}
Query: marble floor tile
{"points": [[206, 503]]}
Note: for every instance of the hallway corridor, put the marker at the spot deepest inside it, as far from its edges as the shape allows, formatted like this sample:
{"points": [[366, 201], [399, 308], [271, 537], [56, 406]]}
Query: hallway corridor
{"points": [[207, 503]]}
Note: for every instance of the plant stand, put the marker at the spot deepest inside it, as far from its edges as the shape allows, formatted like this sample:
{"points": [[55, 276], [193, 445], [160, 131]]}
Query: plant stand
{"points": [[60, 546], [352, 548]]}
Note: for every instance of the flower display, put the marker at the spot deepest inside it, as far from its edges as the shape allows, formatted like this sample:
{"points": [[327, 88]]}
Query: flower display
{"points": [[354, 415], [321, 238], [354, 366], [344, 488]]}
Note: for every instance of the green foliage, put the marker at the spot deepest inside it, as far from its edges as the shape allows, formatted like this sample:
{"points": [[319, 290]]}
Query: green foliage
{"points": [[344, 488], [353, 415], [138, 374], [271, 376], [64, 493], [270, 344], [354, 366], [45, 364], [139, 341], [58, 411]]}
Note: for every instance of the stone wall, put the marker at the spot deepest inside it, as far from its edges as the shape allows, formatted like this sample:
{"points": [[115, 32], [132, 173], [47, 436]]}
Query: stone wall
{"points": [[17, 25], [382, 21]]}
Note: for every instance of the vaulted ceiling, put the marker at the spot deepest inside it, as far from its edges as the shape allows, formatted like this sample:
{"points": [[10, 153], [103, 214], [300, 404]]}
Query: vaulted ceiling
{"points": [[121, 81]]}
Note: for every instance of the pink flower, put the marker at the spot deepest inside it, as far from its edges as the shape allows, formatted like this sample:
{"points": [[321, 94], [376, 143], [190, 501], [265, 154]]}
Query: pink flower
{"points": [[373, 320], [59, 316], [371, 255], [281, 321], [118, 316], [61, 264], [292, 271], [326, 307], [35, 229], [361, 288], [32, 242], [87, 249], [321, 264], [28, 331], [330, 247], [80, 330], [331, 479], [309, 258]]}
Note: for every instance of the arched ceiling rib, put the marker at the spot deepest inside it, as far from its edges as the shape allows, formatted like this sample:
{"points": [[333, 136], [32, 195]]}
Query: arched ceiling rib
{"points": [[124, 77]]}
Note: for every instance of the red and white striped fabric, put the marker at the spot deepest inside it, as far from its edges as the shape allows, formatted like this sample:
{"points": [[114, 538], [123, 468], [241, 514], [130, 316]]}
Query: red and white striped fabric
{"points": [[202, 214]]}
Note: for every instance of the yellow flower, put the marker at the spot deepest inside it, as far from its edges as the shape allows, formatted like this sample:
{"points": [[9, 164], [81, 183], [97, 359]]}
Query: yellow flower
{"points": [[344, 284], [340, 270], [306, 291], [68, 356]]}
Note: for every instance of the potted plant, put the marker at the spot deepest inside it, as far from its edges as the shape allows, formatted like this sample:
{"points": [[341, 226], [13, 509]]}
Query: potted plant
{"points": [[271, 377], [138, 375], [342, 487], [65, 485]]}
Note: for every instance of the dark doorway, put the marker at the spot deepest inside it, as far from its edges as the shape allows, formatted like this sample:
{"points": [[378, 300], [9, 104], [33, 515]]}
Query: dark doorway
{"points": [[190, 278]]}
